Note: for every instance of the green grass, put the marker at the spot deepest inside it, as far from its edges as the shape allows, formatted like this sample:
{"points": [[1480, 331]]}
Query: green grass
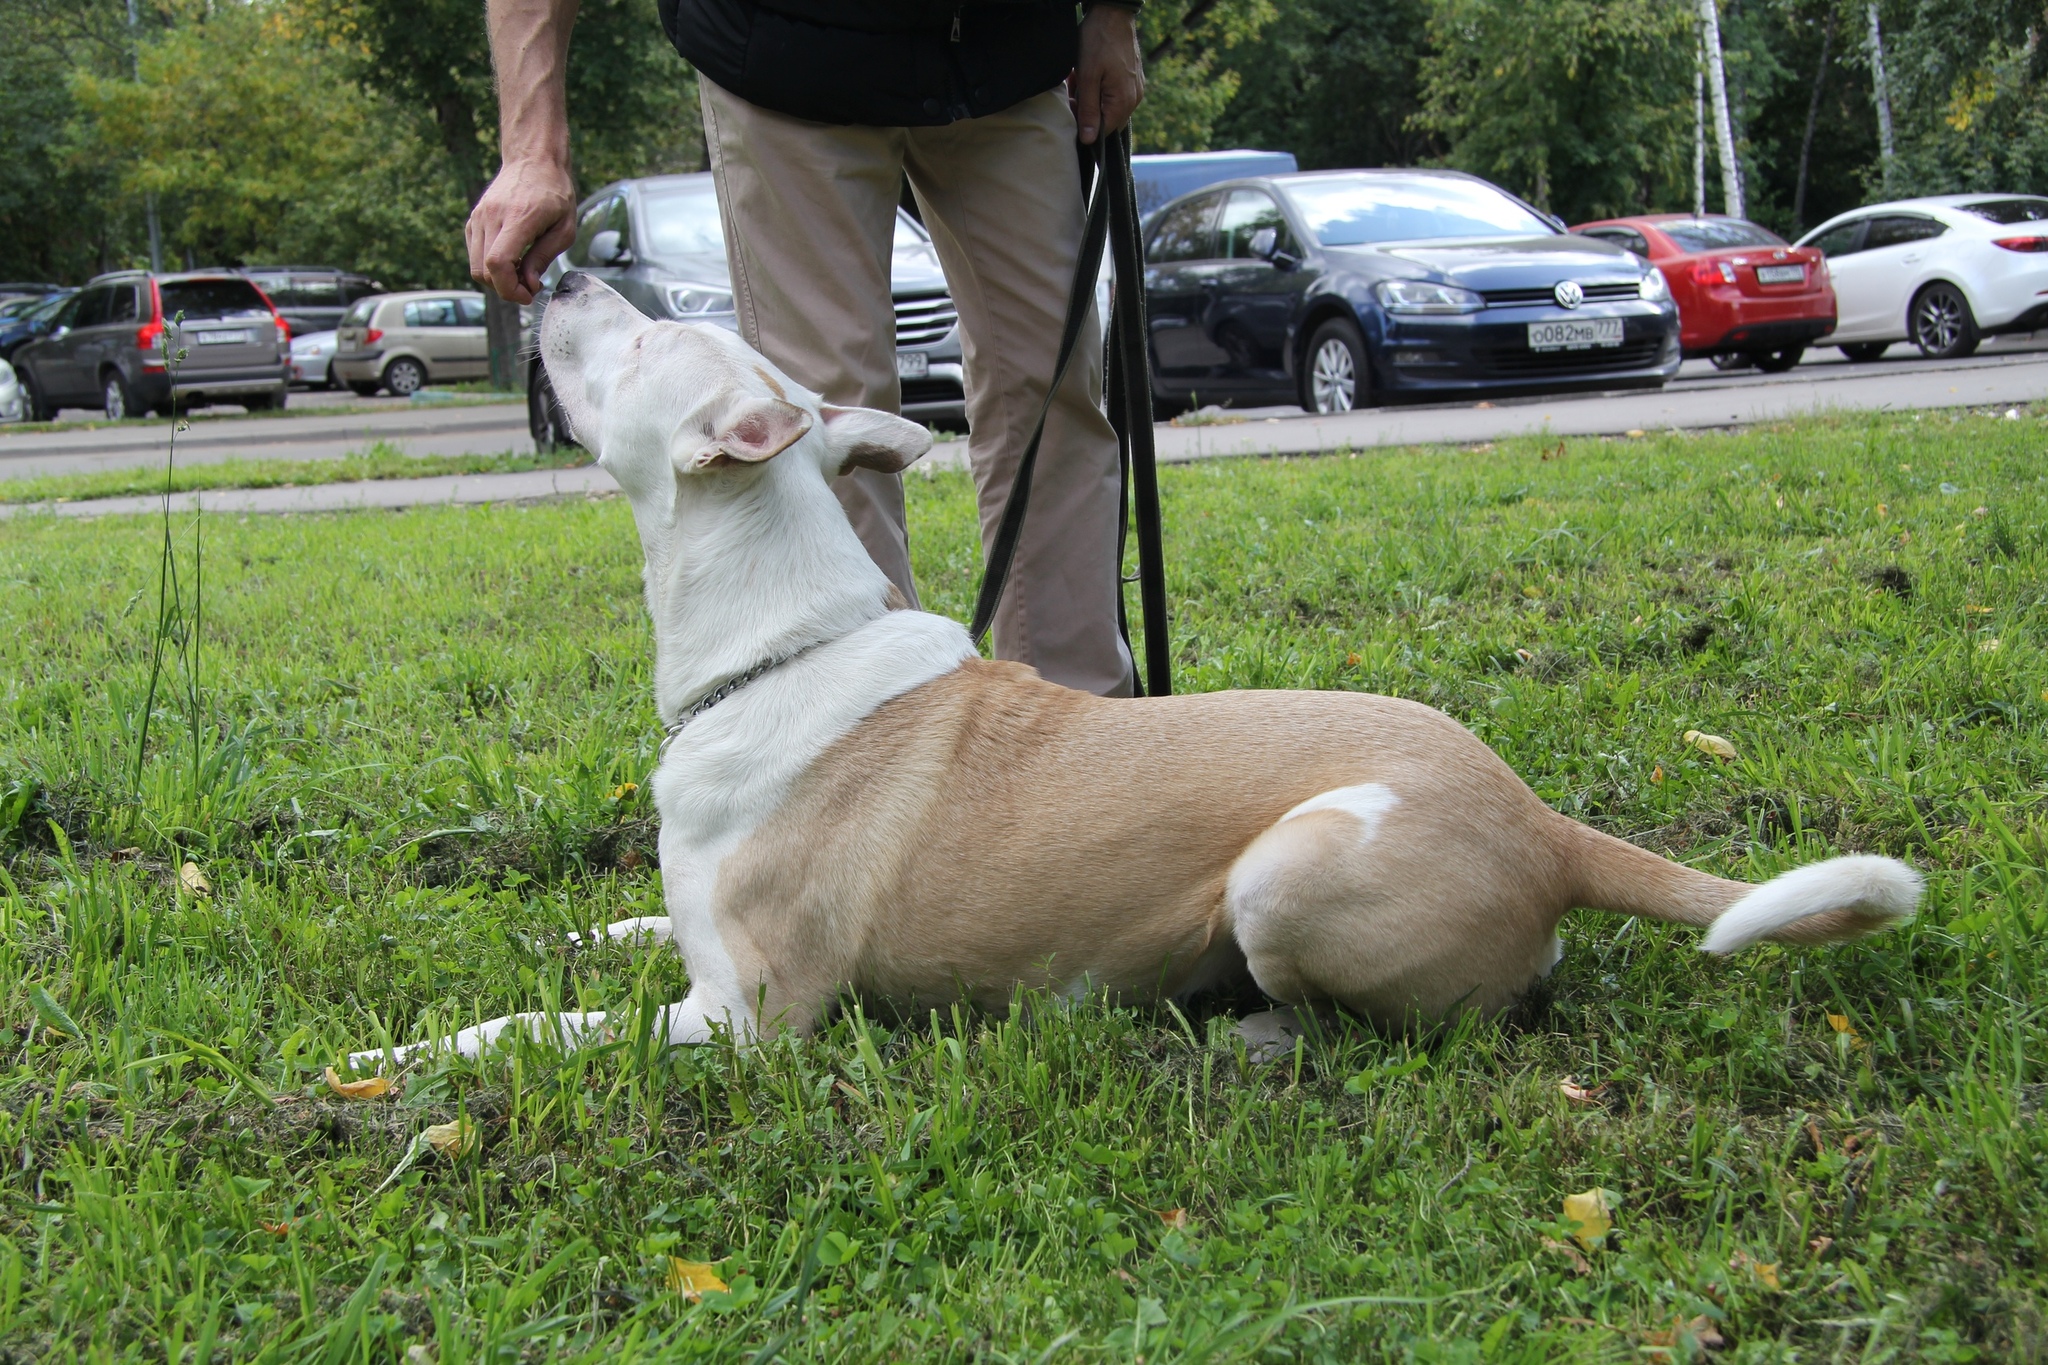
{"points": [[418, 775], [381, 461]]}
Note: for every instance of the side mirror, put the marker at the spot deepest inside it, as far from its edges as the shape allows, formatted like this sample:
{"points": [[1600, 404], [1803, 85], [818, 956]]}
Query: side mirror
{"points": [[1264, 243], [607, 249]]}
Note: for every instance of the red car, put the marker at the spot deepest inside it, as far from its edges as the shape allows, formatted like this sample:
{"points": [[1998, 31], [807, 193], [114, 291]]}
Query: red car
{"points": [[1743, 292]]}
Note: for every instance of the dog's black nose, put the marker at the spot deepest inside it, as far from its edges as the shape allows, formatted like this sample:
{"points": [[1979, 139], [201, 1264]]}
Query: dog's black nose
{"points": [[575, 282]]}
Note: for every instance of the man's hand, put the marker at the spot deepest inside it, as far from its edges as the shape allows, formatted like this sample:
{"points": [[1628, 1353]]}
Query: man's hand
{"points": [[528, 215], [1109, 80], [525, 219]]}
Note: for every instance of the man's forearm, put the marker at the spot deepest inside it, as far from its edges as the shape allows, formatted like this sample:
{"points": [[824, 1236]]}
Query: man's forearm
{"points": [[530, 52]]}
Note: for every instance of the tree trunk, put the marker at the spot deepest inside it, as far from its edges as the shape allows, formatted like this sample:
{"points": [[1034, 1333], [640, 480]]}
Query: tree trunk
{"points": [[1724, 132], [1699, 128], [1820, 78], [1881, 93]]}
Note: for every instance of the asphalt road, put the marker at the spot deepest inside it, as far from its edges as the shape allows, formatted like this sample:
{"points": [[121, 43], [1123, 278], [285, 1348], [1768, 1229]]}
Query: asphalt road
{"points": [[1701, 397]]}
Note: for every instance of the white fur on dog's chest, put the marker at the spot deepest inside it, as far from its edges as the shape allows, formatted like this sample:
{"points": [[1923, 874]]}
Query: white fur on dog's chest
{"points": [[734, 767]]}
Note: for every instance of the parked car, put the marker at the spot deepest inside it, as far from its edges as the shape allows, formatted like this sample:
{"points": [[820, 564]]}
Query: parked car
{"points": [[312, 359], [1742, 291], [1160, 177], [104, 349], [21, 289], [1942, 272], [403, 342], [311, 298], [13, 403], [31, 322], [658, 242], [1337, 289]]}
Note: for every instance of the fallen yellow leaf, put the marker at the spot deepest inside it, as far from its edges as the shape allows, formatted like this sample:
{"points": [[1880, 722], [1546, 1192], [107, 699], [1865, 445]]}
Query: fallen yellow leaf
{"points": [[624, 790], [1840, 1024], [1657, 775], [1710, 744], [1570, 1088], [194, 880], [1587, 1216], [1765, 1272], [369, 1088], [1635, 431], [1351, 661], [692, 1279], [455, 1138], [1175, 1218], [1883, 511], [1976, 610]]}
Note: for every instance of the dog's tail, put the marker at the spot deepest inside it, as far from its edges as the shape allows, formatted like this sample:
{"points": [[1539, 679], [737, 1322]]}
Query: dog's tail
{"points": [[1824, 902]]}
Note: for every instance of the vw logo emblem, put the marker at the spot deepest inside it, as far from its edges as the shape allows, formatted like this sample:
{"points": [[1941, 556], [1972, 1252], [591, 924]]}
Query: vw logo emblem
{"points": [[1568, 294]]}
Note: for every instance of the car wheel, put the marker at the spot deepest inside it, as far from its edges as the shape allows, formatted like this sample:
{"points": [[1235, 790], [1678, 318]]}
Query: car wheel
{"points": [[364, 388], [39, 409], [1335, 379], [267, 402], [405, 377], [1779, 361], [1943, 326], [1732, 360], [115, 399], [544, 416], [1864, 351]]}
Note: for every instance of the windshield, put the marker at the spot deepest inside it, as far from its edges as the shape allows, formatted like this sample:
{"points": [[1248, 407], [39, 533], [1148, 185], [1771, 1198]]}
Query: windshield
{"points": [[50, 305], [1718, 234], [683, 222], [200, 300], [1348, 211], [2009, 210]]}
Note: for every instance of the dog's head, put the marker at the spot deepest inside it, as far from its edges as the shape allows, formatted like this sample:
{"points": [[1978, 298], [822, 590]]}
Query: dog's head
{"points": [[664, 403]]}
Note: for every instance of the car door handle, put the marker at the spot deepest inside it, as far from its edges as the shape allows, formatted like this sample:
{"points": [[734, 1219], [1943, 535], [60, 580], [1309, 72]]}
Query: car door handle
{"points": [[1910, 259]]}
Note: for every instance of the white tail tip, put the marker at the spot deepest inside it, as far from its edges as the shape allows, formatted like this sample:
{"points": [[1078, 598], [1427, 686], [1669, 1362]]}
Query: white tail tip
{"points": [[1883, 889]]}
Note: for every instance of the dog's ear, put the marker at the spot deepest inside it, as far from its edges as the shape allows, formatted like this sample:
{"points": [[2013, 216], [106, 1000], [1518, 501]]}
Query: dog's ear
{"points": [[866, 439], [750, 432]]}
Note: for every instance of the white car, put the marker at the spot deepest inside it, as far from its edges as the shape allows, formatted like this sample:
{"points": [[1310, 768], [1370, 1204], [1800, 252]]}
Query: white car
{"points": [[312, 359], [1942, 272], [13, 403]]}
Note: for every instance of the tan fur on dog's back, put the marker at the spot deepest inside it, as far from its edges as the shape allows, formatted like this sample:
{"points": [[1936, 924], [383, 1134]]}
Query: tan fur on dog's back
{"points": [[990, 829]]}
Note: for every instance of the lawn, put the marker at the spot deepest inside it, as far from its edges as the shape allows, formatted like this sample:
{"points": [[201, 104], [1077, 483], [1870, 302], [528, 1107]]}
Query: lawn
{"points": [[423, 746]]}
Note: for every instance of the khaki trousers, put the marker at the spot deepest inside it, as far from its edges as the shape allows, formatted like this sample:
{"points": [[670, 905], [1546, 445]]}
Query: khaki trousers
{"points": [[810, 222]]}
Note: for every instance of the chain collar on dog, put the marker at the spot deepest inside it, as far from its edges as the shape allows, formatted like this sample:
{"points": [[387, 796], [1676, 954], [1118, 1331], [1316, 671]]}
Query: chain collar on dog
{"points": [[730, 686]]}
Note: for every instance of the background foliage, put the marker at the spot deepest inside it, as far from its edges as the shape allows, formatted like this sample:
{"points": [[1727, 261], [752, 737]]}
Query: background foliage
{"points": [[358, 131]]}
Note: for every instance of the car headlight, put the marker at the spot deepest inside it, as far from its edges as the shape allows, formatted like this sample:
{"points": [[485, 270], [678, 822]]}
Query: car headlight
{"points": [[695, 300], [1653, 287], [1420, 296]]}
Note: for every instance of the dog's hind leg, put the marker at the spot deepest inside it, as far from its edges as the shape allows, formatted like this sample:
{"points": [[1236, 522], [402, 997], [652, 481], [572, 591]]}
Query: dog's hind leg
{"points": [[1357, 898]]}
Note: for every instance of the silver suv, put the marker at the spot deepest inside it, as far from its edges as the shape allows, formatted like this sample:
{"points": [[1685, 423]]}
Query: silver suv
{"points": [[104, 347], [658, 242]]}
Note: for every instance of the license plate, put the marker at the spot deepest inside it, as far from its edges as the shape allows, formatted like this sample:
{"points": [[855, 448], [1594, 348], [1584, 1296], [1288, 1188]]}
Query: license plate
{"points": [[1781, 274], [223, 338], [912, 364], [1575, 335]]}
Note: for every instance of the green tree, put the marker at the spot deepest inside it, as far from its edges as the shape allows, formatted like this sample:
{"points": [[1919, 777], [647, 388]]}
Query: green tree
{"points": [[1191, 49], [1582, 106], [1336, 82]]}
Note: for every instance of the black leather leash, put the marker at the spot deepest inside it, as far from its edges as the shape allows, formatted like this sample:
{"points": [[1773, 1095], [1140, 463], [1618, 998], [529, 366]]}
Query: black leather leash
{"points": [[1112, 218]]}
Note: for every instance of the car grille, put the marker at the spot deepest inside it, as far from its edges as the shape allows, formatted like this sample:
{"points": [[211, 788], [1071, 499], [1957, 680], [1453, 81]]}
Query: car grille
{"points": [[922, 318], [1595, 293], [1630, 355]]}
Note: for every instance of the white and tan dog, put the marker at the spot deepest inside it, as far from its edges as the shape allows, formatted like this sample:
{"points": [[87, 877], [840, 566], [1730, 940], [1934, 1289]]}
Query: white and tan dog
{"points": [[876, 808]]}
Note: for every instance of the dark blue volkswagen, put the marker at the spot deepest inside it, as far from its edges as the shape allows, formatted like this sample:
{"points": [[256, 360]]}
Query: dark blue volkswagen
{"points": [[1343, 289]]}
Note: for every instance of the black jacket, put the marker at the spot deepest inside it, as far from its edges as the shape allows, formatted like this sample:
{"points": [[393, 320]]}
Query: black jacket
{"points": [[885, 63]]}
